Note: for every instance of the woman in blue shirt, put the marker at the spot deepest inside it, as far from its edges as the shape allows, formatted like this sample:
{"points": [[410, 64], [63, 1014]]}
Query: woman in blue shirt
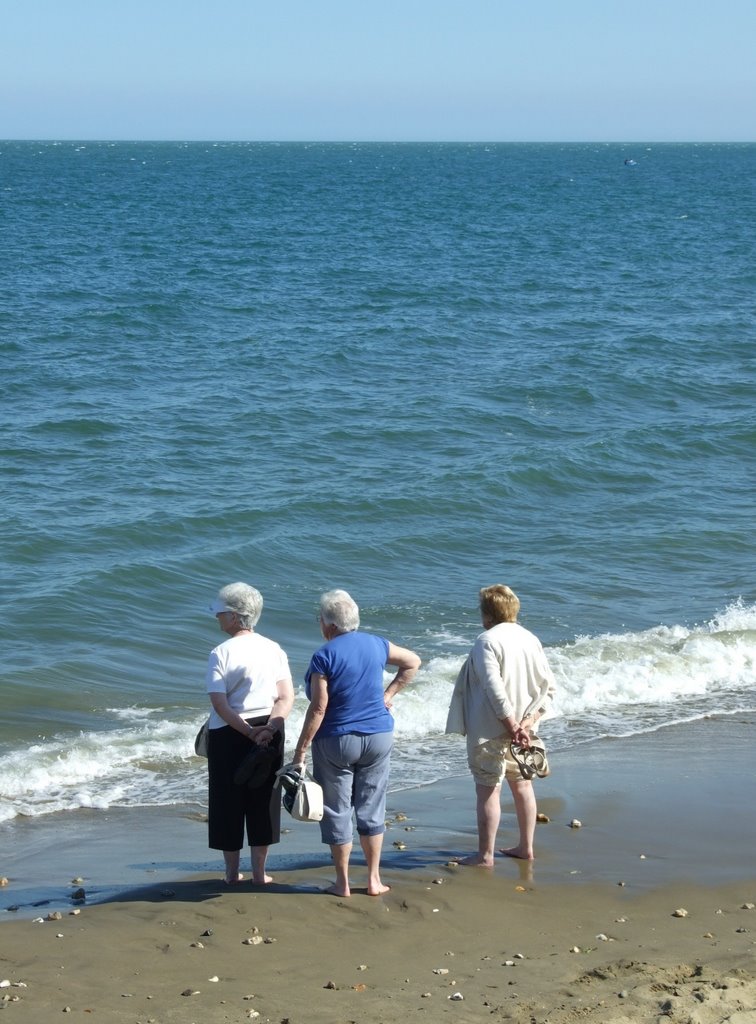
{"points": [[351, 729]]}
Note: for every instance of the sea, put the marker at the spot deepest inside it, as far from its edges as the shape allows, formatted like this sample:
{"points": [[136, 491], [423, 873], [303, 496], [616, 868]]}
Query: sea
{"points": [[405, 370]]}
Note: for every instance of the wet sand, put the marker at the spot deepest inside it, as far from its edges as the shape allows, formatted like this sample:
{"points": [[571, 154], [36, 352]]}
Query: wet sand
{"points": [[589, 934]]}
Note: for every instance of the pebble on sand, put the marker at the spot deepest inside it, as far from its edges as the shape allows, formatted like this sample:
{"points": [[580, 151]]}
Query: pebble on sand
{"points": [[680, 912]]}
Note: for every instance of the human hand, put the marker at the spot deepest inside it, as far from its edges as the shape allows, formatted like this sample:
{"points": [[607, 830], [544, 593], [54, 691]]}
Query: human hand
{"points": [[262, 735], [520, 736]]}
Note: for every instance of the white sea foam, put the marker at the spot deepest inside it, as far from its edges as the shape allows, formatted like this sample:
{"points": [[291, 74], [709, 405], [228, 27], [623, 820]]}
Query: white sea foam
{"points": [[140, 765], [608, 685]]}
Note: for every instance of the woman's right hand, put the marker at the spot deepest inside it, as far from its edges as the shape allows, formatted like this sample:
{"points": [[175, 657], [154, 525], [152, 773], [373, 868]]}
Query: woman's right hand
{"points": [[521, 737]]}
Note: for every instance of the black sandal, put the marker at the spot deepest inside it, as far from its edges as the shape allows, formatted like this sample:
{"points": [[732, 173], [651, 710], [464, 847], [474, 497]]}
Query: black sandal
{"points": [[531, 761]]}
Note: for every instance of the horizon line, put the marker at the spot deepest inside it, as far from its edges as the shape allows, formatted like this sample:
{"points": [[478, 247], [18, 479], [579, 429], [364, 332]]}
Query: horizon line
{"points": [[393, 142]]}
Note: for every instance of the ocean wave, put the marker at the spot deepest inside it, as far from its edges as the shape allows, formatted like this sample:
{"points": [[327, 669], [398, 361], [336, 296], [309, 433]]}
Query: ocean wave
{"points": [[607, 686]]}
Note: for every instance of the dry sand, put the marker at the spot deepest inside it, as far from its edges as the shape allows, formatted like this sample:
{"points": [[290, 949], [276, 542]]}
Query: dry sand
{"points": [[511, 952], [564, 943]]}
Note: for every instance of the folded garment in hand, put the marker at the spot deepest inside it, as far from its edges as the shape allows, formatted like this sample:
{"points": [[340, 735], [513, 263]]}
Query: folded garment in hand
{"points": [[259, 764]]}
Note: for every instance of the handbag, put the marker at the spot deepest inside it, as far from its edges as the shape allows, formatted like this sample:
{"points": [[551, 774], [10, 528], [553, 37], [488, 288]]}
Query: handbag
{"points": [[302, 796], [200, 741]]}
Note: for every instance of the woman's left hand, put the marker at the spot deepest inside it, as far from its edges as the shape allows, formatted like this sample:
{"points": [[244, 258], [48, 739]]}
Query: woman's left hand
{"points": [[262, 735]]}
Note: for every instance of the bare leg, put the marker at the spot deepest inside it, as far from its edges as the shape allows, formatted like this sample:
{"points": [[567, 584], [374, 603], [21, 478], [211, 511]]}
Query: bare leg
{"points": [[340, 853], [231, 857], [371, 847], [525, 809], [259, 855], [489, 814]]}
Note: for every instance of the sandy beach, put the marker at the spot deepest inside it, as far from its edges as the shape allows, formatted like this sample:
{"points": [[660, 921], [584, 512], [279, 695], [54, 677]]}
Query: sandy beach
{"points": [[644, 913]]}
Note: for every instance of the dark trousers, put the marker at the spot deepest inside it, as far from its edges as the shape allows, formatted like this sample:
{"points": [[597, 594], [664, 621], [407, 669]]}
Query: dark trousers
{"points": [[231, 807]]}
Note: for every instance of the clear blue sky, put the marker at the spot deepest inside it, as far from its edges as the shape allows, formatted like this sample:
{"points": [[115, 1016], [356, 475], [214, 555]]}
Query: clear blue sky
{"points": [[656, 70]]}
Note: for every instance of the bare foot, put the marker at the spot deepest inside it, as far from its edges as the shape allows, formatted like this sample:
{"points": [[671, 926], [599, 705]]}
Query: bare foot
{"points": [[234, 881], [378, 890], [335, 890], [477, 860], [515, 851], [265, 880]]}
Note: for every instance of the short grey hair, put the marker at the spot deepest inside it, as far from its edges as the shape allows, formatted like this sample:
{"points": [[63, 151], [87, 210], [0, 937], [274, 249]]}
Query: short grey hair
{"points": [[245, 602], [338, 609]]}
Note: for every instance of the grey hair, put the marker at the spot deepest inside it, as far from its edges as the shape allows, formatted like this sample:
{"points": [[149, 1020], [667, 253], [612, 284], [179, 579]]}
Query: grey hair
{"points": [[245, 601], [338, 609]]}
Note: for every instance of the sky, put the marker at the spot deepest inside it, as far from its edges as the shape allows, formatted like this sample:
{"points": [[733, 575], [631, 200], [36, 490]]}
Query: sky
{"points": [[390, 70]]}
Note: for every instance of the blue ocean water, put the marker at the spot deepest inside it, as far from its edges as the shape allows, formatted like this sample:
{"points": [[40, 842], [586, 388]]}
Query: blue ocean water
{"points": [[407, 370]]}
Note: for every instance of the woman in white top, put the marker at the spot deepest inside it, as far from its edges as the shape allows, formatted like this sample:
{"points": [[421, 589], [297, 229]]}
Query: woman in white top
{"points": [[251, 693]]}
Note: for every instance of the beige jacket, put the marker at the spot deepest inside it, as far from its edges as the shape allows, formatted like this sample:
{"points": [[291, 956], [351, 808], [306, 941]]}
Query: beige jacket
{"points": [[506, 673]]}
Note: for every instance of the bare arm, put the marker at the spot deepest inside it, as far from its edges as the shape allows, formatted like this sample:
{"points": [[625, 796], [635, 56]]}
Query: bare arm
{"points": [[407, 663], [314, 717], [282, 705], [261, 734]]}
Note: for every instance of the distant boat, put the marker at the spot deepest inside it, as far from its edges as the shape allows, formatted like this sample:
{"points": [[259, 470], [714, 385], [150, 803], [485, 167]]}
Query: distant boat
{"points": [[629, 162]]}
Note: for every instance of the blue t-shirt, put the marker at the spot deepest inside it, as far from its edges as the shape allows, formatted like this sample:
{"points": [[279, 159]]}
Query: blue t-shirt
{"points": [[353, 665]]}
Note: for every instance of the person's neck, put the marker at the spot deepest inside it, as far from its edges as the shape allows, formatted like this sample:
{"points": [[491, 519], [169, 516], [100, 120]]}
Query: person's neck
{"points": [[331, 631]]}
